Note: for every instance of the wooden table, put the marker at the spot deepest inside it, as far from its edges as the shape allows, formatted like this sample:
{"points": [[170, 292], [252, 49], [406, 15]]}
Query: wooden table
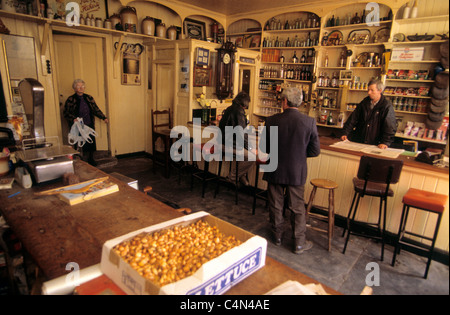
{"points": [[55, 233]]}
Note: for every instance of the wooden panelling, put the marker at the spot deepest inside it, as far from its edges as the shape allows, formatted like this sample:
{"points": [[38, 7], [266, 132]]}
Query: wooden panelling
{"points": [[343, 167]]}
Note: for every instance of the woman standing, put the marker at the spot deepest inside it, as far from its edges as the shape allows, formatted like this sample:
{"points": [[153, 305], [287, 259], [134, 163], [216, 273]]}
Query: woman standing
{"points": [[83, 105]]}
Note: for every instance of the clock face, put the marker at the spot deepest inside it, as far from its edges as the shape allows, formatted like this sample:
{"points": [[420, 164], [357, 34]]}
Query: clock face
{"points": [[226, 58]]}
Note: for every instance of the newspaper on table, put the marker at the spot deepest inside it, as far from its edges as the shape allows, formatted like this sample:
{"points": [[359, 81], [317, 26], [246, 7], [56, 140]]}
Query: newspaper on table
{"points": [[368, 149]]}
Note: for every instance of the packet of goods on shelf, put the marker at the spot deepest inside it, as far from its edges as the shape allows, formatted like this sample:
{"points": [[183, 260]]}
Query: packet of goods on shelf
{"points": [[423, 91], [408, 128]]}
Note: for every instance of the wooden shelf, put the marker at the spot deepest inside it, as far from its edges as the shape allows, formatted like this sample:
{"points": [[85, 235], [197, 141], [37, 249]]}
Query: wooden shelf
{"points": [[399, 135], [406, 112], [408, 96], [296, 30], [424, 19], [356, 26], [291, 48], [411, 81]]}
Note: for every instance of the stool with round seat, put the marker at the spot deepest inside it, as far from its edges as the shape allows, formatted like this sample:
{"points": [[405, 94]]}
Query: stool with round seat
{"points": [[424, 201], [330, 186]]}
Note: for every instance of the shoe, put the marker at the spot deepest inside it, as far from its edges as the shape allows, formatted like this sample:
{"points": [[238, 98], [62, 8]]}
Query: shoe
{"points": [[299, 249], [277, 239], [244, 181]]}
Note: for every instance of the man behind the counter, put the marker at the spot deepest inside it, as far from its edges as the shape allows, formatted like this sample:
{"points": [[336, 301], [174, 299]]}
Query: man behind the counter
{"points": [[373, 121]]}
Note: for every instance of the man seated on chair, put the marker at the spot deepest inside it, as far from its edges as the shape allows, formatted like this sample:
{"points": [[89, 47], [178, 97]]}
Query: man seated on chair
{"points": [[234, 116]]}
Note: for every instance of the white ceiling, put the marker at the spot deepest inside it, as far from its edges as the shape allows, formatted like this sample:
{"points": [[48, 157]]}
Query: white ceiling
{"points": [[231, 7]]}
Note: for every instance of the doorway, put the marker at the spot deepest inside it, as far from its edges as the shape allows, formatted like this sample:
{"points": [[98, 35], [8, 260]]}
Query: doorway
{"points": [[82, 57]]}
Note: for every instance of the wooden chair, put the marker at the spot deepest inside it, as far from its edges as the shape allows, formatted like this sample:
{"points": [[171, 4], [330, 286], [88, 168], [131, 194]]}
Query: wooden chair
{"points": [[375, 175], [161, 127]]}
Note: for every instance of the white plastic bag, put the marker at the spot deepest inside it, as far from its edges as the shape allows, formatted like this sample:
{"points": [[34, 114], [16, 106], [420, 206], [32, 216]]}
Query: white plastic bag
{"points": [[80, 133]]}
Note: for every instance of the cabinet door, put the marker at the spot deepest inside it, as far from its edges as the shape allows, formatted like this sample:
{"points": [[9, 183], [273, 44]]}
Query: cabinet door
{"points": [[80, 57]]}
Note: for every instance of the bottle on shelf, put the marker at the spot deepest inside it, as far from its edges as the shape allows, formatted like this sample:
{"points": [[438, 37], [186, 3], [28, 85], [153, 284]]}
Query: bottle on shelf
{"points": [[308, 40], [342, 60], [323, 117], [414, 10], [277, 43], [363, 16], [325, 62], [341, 119], [326, 101], [330, 120], [320, 80], [288, 43], [356, 19], [406, 11], [295, 43], [326, 81], [303, 58], [295, 58], [334, 80], [282, 59]]}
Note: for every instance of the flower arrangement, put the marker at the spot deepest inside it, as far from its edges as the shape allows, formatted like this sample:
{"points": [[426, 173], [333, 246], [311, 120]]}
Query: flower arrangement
{"points": [[203, 102]]}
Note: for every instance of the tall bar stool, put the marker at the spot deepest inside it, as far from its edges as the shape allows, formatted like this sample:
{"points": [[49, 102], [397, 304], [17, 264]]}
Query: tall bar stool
{"points": [[375, 175], [330, 186], [204, 174], [424, 201], [257, 193], [221, 180]]}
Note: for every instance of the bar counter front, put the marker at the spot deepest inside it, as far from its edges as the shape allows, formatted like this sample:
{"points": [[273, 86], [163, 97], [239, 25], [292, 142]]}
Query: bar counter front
{"points": [[55, 233]]}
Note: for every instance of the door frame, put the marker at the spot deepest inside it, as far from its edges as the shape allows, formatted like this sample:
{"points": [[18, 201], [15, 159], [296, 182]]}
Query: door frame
{"points": [[107, 73]]}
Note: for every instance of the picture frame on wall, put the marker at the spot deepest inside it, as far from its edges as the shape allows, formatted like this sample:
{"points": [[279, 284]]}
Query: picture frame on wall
{"points": [[345, 75], [194, 29], [97, 8], [202, 76], [202, 58]]}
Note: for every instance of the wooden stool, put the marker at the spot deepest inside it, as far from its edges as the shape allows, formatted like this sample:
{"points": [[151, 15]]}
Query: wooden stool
{"points": [[203, 175], [425, 201], [221, 180], [261, 194], [331, 186]]}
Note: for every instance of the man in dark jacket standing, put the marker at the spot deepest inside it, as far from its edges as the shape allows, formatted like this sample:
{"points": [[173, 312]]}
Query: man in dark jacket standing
{"points": [[297, 140], [373, 121]]}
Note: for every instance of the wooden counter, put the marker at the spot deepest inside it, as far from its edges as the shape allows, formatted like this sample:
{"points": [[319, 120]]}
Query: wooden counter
{"points": [[55, 233], [342, 165]]}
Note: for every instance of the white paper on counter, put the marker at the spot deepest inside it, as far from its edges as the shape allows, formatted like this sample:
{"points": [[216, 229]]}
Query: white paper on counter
{"points": [[295, 288], [67, 283]]}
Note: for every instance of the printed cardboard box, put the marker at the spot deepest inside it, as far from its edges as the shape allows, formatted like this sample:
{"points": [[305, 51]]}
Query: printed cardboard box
{"points": [[214, 277]]}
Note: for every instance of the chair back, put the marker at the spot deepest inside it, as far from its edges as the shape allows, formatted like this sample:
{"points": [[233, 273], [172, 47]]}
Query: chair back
{"points": [[161, 119], [379, 170]]}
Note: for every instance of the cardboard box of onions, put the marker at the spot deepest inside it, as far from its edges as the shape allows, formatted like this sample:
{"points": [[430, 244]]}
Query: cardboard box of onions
{"points": [[194, 254]]}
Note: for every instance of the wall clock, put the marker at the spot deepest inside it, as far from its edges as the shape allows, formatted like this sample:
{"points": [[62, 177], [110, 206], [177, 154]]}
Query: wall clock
{"points": [[224, 71]]}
